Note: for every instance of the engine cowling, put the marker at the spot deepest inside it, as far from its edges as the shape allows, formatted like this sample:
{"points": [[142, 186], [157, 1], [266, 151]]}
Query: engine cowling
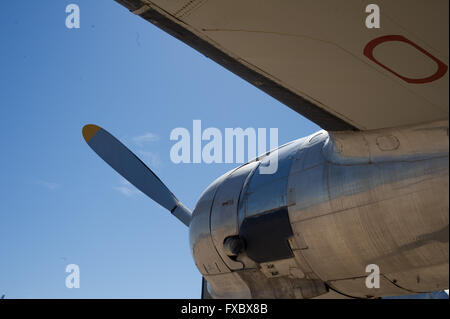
{"points": [[337, 203]]}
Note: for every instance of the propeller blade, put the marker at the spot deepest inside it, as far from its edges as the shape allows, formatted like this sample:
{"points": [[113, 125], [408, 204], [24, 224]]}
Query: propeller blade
{"points": [[127, 164]]}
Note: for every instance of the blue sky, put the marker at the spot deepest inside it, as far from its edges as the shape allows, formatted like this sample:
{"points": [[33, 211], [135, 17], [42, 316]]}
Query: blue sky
{"points": [[59, 202]]}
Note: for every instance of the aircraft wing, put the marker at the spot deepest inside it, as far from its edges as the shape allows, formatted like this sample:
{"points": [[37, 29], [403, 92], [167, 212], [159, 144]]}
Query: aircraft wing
{"points": [[319, 58]]}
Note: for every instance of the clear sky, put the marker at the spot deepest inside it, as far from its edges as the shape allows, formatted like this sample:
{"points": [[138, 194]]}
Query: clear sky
{"points": [[59, 202]]}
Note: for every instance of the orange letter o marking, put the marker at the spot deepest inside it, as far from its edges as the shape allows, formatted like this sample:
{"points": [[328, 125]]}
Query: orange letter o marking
{"points": [[368, 52]]}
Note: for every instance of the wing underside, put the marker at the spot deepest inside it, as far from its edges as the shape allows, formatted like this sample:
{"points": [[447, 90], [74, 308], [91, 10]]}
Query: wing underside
{"points": [[319, 58]]}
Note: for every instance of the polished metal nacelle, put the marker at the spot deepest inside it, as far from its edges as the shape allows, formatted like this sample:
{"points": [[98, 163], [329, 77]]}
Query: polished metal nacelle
{"points": [[338, 202]]}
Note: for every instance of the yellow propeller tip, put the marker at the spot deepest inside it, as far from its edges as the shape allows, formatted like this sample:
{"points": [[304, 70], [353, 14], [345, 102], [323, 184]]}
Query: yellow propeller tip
{"points": [[89, 131]]}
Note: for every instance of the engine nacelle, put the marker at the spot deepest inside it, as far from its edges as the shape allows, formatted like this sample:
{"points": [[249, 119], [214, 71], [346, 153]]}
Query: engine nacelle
{"points": [[337, 203]]}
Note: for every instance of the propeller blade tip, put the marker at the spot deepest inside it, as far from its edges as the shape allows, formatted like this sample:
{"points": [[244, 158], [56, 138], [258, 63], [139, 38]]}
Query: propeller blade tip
{"points": [[89, 131]]}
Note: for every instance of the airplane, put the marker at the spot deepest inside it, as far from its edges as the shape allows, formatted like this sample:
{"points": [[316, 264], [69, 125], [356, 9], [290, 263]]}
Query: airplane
{"points": [[371, 189]]}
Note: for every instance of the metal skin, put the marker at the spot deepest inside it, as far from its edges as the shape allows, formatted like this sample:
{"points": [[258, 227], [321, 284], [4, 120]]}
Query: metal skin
{"points": [[338, 202]]}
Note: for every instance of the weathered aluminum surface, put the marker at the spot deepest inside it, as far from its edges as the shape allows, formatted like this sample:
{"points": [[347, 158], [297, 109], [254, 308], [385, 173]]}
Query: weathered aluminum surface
{"points": [[353, 199]]}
